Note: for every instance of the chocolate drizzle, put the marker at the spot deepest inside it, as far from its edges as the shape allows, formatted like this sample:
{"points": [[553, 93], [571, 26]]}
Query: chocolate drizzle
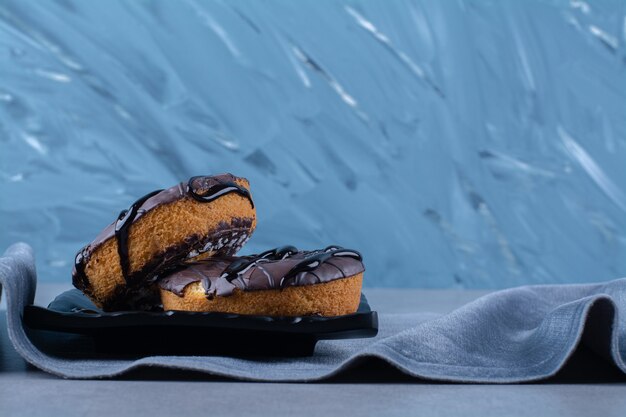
{"points": [[206, 189], [279, 253], [274, 269], [241, 265], [313, 261], [122, 226], [79, 278]]}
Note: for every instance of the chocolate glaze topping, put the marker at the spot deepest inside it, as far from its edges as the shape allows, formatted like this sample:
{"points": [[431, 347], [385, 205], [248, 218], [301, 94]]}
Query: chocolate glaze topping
{"points": [[274, 269], [206, 189], [203, 189], [122, 225]]}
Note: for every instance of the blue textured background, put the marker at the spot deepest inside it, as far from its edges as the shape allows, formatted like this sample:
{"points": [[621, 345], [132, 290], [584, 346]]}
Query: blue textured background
{"points": [[455, 143]]}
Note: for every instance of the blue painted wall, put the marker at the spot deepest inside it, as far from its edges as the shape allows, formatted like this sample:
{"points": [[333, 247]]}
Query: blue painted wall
{"points": [[455, 143]]}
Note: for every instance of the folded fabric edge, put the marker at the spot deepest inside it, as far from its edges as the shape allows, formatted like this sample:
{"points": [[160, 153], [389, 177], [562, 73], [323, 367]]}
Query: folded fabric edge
{"points": [[18, 259]]}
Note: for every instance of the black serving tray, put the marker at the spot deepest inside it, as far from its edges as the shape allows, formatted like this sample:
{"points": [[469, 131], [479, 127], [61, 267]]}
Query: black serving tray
{"points": [[197, 333]]}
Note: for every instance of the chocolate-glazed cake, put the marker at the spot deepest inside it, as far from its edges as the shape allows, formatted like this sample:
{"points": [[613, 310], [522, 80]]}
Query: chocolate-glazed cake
{"points": [[205, 216], [278, 282]]}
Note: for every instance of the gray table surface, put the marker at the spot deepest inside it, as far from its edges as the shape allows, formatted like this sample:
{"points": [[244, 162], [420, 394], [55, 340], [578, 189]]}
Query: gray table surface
{"points": [[371, 390]]}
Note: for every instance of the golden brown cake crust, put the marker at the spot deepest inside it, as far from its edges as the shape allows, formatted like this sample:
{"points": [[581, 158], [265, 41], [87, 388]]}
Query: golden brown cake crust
{"points": [[333, 298], [165, 234]]}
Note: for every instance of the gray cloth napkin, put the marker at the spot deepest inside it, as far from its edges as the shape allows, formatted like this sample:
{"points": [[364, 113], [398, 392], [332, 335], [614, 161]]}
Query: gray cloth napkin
{"points": [[516, 335]]}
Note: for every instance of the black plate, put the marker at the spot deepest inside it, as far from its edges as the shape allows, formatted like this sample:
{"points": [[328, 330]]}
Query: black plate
{"points": [[196, 333]]}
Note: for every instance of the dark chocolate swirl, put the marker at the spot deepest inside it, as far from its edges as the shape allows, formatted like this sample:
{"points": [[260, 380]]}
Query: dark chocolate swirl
{"points": [[206, 189], [274, 269], [122, 225]]}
